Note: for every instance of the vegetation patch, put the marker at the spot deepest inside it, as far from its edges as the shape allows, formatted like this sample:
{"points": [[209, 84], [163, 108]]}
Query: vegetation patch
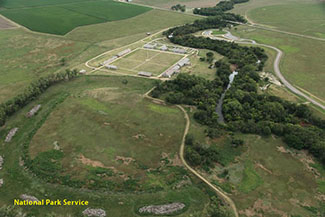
{"points": [[251, 179], [62, 18]]}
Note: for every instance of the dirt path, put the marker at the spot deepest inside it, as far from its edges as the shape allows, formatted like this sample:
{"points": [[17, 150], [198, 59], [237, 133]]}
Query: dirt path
{"points": [[181, 154]]}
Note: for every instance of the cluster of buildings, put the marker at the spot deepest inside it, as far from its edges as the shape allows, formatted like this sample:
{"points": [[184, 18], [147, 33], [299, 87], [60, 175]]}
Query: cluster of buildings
{"points": [[164, 48], [107, 64], [176, 68]]}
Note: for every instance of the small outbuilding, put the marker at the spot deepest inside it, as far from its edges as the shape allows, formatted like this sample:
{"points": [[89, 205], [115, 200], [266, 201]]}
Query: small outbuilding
{"points": [[111, 67], [145, 74]]}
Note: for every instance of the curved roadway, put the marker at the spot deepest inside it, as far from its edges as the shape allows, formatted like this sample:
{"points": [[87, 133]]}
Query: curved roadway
{"points": [[181, 154], [276, 66]]}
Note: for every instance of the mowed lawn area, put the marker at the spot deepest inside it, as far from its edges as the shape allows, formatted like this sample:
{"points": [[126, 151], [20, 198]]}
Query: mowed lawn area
{"points": [[57, 17], [145, 60], [300, 18]]}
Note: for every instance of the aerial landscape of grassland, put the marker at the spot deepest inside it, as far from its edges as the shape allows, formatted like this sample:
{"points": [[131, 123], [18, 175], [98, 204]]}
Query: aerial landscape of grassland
{"points": [[151, 21], [26, 56], [301, 64], [62, 18], [305, 19], [36, 55], [145, 60], [244, 8], [145, 153], [265, 177], [168, 3]]}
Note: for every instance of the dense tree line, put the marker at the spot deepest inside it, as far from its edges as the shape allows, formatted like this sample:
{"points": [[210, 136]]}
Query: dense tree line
{"points": [[178, 7], [248, 111], [35, 89], [193, 90], [220, 8], [238, 55], [244, 108]]}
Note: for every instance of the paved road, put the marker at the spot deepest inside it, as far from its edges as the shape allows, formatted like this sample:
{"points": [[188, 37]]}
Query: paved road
{"points": [[181, 154], [276, 66]]}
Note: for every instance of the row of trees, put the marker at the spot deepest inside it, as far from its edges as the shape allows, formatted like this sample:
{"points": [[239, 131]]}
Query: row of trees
{"points": [[220, 8], [244, 108], [35, 89]]}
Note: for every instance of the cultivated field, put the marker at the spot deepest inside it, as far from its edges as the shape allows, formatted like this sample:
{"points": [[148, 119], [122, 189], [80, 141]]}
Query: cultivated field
{"points": [[60, 18], [145, 60], [121, 144]]}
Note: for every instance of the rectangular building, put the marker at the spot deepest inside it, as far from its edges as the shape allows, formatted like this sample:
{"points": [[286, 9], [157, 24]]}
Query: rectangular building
{"points": [[124, 52], [145, 74], [111, 67]]}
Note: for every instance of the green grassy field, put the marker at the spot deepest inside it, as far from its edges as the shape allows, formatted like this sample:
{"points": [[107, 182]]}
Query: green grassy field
{"points": [[218, 32], [62, 18], [200, 68], [119, 122], [151, 21], [306, 19], [26, 55], [152, 61], [301, 64], [168, 3]]}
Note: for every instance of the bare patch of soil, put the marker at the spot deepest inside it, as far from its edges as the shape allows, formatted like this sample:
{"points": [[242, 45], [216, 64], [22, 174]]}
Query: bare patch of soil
{"points": [[260, 209], [89, 162], [263, 168], [5, 24], [125, 160]]}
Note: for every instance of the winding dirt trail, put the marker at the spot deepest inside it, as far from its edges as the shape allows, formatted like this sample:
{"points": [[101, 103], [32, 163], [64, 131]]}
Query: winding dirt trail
{"points": [[219, 192]]}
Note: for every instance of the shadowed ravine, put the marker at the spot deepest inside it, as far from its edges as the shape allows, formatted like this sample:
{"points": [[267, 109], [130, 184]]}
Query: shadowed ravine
{"points": [[220, 102]]}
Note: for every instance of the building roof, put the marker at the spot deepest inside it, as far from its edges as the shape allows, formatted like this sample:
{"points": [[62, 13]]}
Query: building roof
{"points": [[147, 74], [111, 67], [183, 62], [124, 52], [179, 50], [150, 46], [164, 47]]}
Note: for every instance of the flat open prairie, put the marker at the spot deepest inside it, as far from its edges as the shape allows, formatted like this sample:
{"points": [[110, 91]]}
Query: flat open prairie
{"points": [[305, 19], [60, 18], [302, 64]]}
